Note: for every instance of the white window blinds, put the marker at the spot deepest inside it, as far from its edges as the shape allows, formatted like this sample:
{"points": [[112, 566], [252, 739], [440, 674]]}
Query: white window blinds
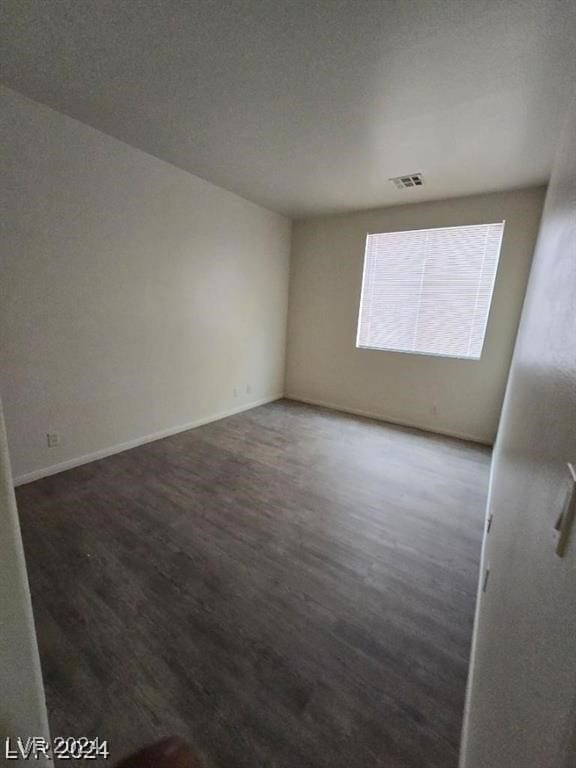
{"points": [[428, 291]]}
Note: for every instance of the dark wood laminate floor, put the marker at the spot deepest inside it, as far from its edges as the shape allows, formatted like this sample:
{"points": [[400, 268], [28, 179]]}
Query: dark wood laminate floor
{"points": [[289, 587]]}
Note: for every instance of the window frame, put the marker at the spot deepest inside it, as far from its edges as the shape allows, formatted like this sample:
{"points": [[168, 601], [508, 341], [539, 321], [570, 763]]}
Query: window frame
{"points": [[450, 356]]}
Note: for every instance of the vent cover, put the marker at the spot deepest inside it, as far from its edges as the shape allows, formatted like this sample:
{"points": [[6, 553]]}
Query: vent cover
{"points": [[409, 180]]}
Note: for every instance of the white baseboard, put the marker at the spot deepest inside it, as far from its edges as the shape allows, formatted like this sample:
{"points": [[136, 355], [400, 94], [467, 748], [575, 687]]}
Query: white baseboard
{"points": [[37, 474], [388, 419]]}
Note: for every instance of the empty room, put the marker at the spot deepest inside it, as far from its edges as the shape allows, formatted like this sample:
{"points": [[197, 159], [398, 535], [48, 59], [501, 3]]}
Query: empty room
{"points": [[288, 383]]}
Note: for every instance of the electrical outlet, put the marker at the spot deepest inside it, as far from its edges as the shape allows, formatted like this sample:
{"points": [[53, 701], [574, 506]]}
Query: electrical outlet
{"points": [[248, 389], [235, 391], [52, 439]]}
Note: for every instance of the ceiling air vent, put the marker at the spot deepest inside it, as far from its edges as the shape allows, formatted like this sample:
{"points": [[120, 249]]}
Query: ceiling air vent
{"points": [[410, 180]]}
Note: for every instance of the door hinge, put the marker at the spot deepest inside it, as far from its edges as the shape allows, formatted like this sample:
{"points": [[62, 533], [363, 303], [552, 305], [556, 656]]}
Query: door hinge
{"points": [[486, 577], [566, 518]]}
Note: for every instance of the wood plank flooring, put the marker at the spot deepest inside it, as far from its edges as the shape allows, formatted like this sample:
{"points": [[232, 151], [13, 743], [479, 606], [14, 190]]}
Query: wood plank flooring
{"points": [[286, 588]]}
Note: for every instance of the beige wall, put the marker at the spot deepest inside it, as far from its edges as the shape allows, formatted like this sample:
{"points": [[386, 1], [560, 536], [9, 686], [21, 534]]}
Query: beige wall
{"points": [[135, 298], [457, 397], [522, 691], [22, 705]]}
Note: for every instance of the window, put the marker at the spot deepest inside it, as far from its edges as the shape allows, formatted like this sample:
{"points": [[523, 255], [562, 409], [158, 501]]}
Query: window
{"points": [[428, 291]]}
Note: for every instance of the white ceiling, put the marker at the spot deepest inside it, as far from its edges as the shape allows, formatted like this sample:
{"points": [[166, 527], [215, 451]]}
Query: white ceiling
{"points": [[309, 106]]}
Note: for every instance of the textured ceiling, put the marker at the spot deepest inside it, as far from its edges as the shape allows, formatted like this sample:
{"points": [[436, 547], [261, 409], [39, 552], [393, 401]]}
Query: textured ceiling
{"points": [[309, 106]]}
